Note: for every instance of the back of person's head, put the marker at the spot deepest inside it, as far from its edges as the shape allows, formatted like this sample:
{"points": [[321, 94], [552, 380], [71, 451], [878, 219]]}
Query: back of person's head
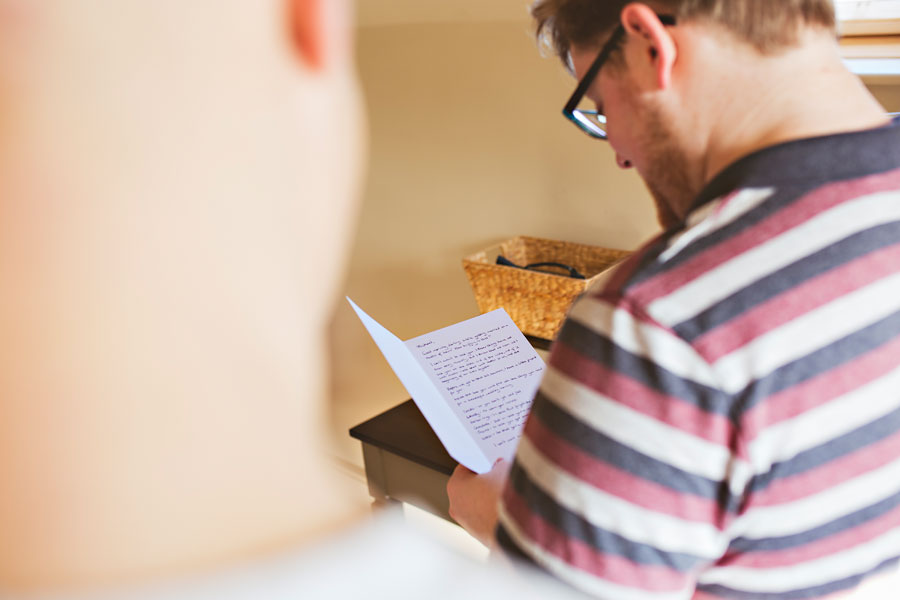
{"points": [[176, 185], [767, 25]]}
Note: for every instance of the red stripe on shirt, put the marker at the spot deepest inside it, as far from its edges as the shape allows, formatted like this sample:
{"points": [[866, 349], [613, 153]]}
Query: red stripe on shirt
{"points": [[830, 474], [802, 210], [820, 390], [603, 476], [829, 546], [583, 557], [705, 596], [650, 402], [796, 302]]}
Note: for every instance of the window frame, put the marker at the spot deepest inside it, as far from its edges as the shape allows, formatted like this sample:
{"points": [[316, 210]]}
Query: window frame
{"points": [[868, 17], [870, 38]]}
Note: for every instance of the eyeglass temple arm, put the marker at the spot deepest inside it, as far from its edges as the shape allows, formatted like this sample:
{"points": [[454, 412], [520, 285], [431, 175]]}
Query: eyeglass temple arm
{"points": [[588, 77]]}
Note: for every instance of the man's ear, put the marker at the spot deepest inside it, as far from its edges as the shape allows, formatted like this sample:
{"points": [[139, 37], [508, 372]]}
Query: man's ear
{"points": [[319, 30], [640, 20]]}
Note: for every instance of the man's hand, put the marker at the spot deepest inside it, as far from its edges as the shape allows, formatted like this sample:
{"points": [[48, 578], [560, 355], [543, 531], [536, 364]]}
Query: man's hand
{"points": [[474, 498]]}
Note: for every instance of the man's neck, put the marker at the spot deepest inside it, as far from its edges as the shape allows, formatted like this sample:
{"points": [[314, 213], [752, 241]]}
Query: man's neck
{"points": [[805, 92]]}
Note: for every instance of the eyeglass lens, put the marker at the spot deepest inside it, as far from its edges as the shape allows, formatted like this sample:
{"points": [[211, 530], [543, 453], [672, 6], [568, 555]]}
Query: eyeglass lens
{"points": [[592, 123]]}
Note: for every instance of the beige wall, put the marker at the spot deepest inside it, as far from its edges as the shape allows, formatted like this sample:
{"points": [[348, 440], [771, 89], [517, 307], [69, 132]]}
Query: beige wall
{"points": [[888, 95], [468, 147]]}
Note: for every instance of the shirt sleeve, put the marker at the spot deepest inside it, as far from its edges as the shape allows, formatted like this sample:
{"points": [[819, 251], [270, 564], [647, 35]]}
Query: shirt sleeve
{"points": [[628, 474]]}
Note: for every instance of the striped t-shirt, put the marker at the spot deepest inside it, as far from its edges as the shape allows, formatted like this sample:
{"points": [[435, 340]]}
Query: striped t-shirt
{"points": [[722, 420]]}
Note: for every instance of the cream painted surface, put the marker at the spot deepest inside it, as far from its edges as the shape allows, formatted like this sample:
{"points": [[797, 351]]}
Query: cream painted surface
{"points": [[888, 95], [468, 147], [374, 13]]}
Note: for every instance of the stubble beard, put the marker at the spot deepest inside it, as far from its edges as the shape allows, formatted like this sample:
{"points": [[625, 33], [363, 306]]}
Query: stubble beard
{"points": [[666, 173]]}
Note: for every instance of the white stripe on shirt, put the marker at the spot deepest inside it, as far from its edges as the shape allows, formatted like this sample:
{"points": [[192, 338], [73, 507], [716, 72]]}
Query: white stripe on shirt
{"points": [[632, 335], [580, 579], [636, 523], [809, 332], [812, 428], [797, 243], [821, 571], [714, 216], [644, 434], [821, 508]]}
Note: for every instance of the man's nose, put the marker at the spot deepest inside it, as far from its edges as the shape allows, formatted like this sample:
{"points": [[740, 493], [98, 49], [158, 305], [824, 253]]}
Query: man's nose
{"points": [[623, 163]]}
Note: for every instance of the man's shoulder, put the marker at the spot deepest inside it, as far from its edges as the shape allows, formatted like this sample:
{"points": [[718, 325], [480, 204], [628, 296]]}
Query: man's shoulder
{"points": [[677, 257], [753, 231]]}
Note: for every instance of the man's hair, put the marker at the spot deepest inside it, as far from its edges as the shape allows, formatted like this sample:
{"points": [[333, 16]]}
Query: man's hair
{"points": [[768, 25]]}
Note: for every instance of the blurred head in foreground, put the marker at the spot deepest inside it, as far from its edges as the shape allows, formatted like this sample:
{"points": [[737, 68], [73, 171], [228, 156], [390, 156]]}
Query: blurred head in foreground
{"points": [[177, 182]]}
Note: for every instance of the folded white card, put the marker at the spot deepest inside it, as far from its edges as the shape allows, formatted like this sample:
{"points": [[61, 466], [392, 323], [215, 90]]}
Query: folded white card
{"points": [[473, 381]]}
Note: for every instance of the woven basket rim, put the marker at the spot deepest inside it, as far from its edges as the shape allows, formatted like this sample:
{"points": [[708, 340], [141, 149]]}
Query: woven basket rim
{"points": [[472, 256], [479, 258]]}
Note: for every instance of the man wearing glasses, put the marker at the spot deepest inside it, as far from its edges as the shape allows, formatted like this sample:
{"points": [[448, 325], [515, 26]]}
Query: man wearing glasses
{"points": [[721, 419]]}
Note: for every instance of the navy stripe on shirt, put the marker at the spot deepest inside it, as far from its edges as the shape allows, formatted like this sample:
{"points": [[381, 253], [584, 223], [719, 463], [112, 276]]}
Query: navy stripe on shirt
{"points": [[783, 280]]}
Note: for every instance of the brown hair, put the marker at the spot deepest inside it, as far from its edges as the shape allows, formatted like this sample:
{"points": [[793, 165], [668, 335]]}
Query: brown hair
{"points": [[768, 25]]}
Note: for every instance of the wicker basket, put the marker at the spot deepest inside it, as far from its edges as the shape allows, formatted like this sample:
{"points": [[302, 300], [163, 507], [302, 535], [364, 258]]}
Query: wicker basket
{"points": [[536, 301]]}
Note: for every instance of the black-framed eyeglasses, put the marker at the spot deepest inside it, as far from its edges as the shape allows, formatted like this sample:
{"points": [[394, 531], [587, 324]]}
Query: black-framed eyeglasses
{"points": [[590, 121]]}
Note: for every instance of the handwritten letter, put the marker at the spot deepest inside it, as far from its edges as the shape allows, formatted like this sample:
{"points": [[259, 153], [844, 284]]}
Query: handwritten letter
{"points": [[473, 381], [489, 373]]}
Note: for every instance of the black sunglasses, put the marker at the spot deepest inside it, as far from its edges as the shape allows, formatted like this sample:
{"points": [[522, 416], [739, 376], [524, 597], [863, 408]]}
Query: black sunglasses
{"points": [[590, 121]]}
